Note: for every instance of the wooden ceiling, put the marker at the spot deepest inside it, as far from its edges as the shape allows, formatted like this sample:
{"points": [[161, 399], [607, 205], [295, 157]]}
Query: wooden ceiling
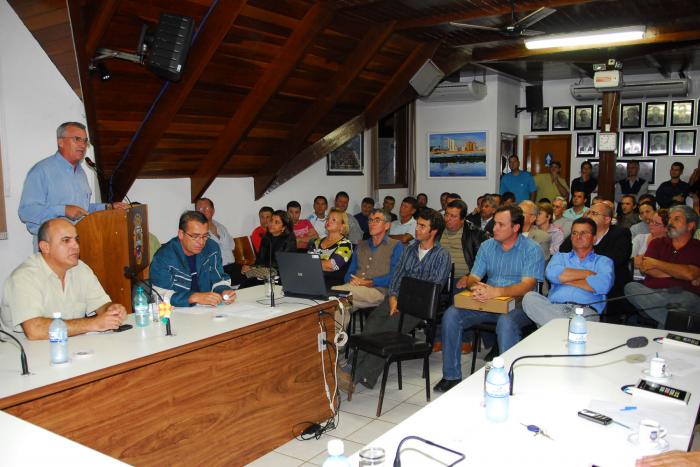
{"points": [[270, 86]]}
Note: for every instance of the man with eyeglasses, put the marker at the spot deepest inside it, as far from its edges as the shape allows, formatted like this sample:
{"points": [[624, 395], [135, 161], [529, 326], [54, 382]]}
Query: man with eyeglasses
{"points": [[579, 276], [57, 186], [188, 269]]}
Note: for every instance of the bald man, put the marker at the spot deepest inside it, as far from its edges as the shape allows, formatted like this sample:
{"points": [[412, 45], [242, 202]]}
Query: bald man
{"points": [[54, 279]]}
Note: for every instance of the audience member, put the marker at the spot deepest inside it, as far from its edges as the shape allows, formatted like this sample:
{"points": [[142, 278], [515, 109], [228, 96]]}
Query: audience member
{"points": [[279, 237], [507, 199], [497, 197], [452, 196], [335, 249], [513, 264], [422, 200], [264, 214], [551, 184], [424, 259], [579, 276], [461, 239], [372, 264], [303, 229], [670, 262], [187, 270], [362, 217], [388, 206], [578, 206], [632, 185], [219, 234], [57, 186], [586, 182], [628, 215], [484, 220], [55, 280], [673, 191], [519, 182], [443, 202], [354, 233], [403, 229], [646, 211], [544, 223], [657, 229], [318, 218], [530, 230]]}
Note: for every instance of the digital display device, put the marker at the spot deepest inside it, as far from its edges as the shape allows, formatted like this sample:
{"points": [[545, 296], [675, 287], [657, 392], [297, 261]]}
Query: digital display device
{"points": [[672, 338], [661, 391]]}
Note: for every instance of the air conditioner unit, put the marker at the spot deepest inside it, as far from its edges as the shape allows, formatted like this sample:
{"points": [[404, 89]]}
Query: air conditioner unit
{"points": [[457, 92], [636, 89]]}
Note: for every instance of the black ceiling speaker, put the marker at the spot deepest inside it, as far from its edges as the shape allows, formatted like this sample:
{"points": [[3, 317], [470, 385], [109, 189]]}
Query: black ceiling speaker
{"points": [[168, 46], [533, 98]]}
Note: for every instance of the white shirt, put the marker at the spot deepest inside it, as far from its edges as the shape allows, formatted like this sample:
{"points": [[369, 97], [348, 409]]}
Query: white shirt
{"points": [[397, 228], [225, 243], [319, 224]]}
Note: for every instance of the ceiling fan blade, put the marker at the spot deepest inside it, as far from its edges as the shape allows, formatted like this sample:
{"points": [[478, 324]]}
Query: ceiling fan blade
{"points": [[531, 32], [534, 17], [475, 26]]}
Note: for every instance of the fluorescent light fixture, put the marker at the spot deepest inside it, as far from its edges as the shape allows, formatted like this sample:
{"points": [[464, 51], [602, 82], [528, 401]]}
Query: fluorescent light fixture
{"points": [[598, 37]]}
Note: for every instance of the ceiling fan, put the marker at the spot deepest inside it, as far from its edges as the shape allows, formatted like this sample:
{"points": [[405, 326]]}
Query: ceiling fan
{"points": [[517, 27]]}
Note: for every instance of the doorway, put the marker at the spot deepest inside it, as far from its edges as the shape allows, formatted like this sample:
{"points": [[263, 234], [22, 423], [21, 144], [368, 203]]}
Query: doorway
{"points": [[538, 150]]}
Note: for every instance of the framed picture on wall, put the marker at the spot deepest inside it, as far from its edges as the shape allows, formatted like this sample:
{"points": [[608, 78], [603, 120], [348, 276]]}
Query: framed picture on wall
{"points": [[655, 115], [457, 155], [631, 116], [632, 143], [647, 169], [561, 118], [583, 117], [585, 145], [657, 143], [348, 159], [684, 142], [509, 147], [682, 113], [539, 120]]}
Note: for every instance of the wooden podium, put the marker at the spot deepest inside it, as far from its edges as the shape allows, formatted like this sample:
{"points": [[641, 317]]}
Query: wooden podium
{"points": [[111, 240]]}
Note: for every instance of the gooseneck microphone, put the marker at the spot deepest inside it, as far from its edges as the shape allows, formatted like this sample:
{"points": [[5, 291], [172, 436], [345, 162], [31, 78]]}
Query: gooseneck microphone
{"points": [[269, 271], [670, 290], [90, 163], [22, 354], [633, 343], [397, 459], [128, 272]]}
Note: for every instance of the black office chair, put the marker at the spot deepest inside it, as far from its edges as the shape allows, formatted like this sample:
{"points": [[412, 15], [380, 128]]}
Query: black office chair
{"points": [[417, 298]]}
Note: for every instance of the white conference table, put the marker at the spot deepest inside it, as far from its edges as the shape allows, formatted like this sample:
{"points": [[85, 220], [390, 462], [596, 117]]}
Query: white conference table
{"points": [[549, 393], [224, 367]]}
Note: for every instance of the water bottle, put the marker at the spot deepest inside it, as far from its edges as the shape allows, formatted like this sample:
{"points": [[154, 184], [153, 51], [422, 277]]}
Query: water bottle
{"points": [[497, 392], [58, 340], [336, 457], [578, 333], [141, 313]]}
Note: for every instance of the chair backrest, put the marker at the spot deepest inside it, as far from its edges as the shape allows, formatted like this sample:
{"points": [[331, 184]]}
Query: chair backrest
{"points": [[419, 298], [243, 251]]}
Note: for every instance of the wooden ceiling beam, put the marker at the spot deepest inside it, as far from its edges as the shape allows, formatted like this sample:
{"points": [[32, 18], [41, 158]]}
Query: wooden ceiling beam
{"points": [[152, 129], [310, 155], [399, 81], [104, 11], [315, 20], [653, 36], [473, 13], [327, 99]]}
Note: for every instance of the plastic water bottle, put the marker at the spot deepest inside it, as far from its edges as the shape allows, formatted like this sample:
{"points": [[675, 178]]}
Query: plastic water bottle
{"points": [[497, 392], [141, 312], [336, 457], [578, 333], [58, 340]]}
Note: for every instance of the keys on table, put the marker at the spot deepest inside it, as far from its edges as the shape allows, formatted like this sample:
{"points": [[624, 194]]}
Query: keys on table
{"points": [[537, 430]]}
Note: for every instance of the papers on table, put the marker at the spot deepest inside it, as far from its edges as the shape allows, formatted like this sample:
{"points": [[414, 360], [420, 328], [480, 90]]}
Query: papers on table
{"points": [[236, 310]]}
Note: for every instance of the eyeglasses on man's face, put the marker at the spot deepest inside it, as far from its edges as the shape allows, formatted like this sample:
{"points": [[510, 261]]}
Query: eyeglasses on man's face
{"points": [[78, 140], [197, 238]]}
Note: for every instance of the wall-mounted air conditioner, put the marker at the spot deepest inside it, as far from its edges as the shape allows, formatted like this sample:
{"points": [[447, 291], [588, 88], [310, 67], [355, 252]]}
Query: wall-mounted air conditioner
{"points": [[457, 92], [680, 87]]}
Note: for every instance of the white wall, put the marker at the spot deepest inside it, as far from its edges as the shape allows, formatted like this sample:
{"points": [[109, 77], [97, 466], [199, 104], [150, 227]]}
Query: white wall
{"points": [[556, 94]]}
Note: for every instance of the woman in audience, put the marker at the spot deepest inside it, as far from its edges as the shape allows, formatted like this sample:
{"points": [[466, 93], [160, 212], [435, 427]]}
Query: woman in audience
{"points": [[335, 250], [544, 223], [279, 237], [586, 182], [657, 229]]}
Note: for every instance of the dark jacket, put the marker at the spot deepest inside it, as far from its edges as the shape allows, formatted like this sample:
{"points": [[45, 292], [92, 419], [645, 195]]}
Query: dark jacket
{"points": [[472, 237], [475, 219], [284, 242]]}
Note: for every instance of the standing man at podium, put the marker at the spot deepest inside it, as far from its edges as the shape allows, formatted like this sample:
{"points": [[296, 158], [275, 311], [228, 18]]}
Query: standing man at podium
{"points": [[56, 280], [188, 269], [57, 186]]}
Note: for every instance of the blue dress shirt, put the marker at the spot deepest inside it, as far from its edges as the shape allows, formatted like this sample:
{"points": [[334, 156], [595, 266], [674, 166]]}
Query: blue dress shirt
{"points": [[434, 267], [521, 186], [601, 282], [504, 268], [50, 185]]}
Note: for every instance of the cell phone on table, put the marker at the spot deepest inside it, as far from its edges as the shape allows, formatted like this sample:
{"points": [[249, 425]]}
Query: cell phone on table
{"points": [[595, 417]]}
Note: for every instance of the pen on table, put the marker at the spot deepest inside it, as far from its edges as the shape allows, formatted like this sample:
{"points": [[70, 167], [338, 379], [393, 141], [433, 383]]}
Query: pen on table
{"points": [[621, 424]]}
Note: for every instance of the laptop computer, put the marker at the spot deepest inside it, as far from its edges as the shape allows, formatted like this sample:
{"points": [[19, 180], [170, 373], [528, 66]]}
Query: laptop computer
{"points": [[302, 276]]}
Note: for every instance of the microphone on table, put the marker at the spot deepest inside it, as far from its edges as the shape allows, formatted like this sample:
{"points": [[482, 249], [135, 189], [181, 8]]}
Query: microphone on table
{"points": [[128, 272], [670, 290], [22, 354], [269, 271], [633, 343], [90, 163]]}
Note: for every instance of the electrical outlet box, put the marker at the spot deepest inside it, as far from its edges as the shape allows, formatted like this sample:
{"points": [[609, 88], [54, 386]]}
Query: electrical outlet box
{"points": [[321, 341]]}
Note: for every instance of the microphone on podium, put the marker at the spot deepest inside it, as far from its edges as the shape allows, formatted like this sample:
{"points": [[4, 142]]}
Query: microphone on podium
{"points": [[633, 343], [22, 354], [90, 163], [128, 272]]}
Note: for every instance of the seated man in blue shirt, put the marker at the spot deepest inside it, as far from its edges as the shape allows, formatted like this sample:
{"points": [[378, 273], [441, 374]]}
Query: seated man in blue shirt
{"points": [[579, 276], [513, 264], [188, 270]]}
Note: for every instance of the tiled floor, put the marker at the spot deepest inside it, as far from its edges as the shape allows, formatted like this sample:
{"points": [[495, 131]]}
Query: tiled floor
{"points": [[358, 425]]}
